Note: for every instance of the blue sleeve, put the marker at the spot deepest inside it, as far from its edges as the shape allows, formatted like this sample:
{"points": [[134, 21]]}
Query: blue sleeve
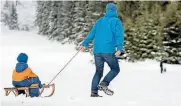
{"points": [[119, 35], [90, 36]]}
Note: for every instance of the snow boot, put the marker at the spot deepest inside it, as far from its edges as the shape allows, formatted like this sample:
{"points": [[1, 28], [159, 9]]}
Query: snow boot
{"points": [[103, 87], [95, 95]]}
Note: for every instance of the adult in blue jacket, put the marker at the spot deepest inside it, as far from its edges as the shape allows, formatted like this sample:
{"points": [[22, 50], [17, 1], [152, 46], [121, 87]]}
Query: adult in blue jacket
{"points": [[108, 36]]}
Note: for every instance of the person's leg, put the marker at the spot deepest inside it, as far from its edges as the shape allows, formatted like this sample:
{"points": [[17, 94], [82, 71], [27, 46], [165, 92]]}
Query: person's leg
{"points": [[23, 83], [34, 92], [99, 63], [112, 62], [35, 80], [161, 66]]}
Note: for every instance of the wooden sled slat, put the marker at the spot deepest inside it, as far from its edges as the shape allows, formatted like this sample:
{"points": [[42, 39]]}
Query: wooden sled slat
{"points": [[16, 89]]}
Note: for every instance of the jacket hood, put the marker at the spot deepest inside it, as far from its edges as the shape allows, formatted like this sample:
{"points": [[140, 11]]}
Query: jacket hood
{"points": [[20, 67], [111, 10]]}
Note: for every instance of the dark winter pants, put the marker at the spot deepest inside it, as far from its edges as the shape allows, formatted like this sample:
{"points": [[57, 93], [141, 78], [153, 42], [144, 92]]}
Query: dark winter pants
{"points": [[27, 82], [112, 62]]}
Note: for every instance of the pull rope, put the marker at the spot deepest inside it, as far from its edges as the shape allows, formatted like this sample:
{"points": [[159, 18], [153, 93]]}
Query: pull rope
{"points": [[63, 68]]}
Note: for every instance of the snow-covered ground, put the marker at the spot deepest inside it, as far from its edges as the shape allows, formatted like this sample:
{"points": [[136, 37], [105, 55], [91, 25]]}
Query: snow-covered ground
{"points": [[138, 84]]}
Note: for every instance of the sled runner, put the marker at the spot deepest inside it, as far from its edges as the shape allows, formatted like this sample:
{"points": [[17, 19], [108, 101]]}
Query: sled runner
{"points": [[26, 90], [48, 86]]}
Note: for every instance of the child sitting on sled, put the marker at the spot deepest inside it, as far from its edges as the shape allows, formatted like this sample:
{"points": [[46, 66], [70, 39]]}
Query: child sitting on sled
{"points": [[23, 76]]}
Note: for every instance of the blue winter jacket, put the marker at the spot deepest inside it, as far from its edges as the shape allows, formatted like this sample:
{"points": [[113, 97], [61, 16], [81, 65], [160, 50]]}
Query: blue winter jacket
{"points": [[107, 32]]}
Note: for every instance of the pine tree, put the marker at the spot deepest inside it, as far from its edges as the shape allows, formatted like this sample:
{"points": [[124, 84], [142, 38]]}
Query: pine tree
{"points": [[13, 24], [53, 19], [5, 13], [143, 38], [9, 15], [42, 20], [172, 33], [67, 21], [78, 21]]}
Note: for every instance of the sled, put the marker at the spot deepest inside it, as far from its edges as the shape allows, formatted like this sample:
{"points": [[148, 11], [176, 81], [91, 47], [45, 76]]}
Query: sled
{"points": [[26, 90]]}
